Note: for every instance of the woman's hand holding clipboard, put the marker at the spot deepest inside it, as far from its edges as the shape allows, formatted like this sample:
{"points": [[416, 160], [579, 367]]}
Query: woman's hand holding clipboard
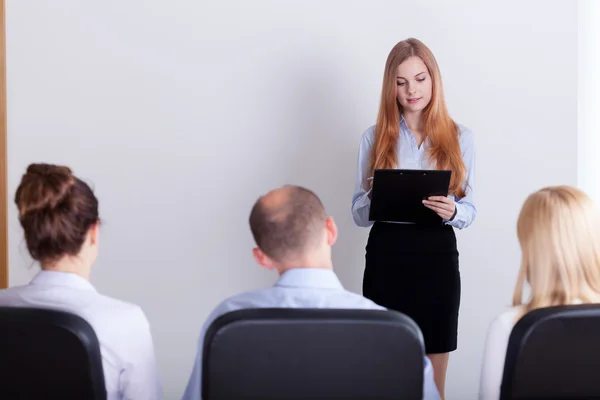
{"points": [[443, 206]]}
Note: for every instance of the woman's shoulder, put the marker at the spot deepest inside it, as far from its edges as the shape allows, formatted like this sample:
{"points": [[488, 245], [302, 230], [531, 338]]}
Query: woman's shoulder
{"points": [[368, 135], [129, 314], [507, 319], [367, 139], [465, 137], [464, 132]]}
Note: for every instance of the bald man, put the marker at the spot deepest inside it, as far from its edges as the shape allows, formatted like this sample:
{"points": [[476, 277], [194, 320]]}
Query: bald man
{"points": [[294, 236]]}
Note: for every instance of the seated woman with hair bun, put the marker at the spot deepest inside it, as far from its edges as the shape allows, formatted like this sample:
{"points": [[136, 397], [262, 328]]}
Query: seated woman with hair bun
{"points": [[59, 216]]}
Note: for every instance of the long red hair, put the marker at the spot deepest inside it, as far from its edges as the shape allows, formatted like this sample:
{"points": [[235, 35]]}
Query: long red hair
{"points": [[438, 127]]}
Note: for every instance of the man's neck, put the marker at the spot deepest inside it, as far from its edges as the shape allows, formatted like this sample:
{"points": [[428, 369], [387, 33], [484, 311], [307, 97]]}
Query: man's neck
{"points": [[305, 264]]}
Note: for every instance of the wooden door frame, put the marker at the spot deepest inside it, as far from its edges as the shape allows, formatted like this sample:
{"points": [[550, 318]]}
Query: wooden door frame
{"points": [[3, 154]]}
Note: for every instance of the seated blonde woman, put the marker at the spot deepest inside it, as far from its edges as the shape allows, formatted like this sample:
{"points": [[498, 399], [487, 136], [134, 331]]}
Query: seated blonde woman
{"points": [[559, 233]]}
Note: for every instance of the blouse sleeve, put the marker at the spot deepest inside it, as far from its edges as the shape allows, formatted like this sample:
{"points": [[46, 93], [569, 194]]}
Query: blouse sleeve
{"points": [[465, 207], [361, 203], [494, 354]]}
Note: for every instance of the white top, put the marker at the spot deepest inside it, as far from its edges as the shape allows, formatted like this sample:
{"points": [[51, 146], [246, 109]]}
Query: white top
{"points": [[128, 361], [494, 353], [297, 288]]}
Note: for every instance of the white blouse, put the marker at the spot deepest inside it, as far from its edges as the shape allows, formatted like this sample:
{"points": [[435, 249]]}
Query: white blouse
{"points": [[128, 360], [494, 353]]}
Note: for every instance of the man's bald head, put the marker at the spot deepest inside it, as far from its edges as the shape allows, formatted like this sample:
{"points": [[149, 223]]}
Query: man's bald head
{"points": [[287, 222]]}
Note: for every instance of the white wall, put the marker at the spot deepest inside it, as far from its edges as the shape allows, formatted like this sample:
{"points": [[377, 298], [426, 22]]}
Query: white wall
{"points": [[588, 98], [181, 113]]}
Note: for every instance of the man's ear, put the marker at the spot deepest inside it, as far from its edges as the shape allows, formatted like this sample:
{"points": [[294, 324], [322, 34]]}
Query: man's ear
{"points": [[332, 231], [262, 259]]}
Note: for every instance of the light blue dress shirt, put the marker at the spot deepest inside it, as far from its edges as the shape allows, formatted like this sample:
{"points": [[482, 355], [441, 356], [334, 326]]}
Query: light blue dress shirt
{"points": [[296, 288], [411, 156]]}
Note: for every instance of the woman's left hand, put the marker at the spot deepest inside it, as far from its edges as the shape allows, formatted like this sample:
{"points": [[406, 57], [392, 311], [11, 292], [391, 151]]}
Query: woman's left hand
{"points": [[443, 206]]}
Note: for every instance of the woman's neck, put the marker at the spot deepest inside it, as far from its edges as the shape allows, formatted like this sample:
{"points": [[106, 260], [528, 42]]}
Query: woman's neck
{"points": [[73, 265]]}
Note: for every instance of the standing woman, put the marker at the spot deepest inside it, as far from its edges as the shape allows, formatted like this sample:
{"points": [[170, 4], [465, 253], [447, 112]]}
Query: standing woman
{"points": [[413, 268]]}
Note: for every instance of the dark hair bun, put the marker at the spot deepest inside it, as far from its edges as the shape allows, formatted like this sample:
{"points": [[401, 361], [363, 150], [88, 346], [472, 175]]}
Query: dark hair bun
{"points": [[44, 186], [56, 210]]}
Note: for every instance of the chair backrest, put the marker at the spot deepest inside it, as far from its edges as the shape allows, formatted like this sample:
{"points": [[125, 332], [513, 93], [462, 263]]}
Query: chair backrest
{"points": [[554, 353], [313, 354], [48, 354]]}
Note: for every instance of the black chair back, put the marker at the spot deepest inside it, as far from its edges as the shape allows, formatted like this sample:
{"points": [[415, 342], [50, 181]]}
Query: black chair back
{"points": [[313, 354], [48, 354], [554, 353]]}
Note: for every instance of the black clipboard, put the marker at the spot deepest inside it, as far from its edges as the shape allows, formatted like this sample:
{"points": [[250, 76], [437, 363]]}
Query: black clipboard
{"points": [[397, 195]]}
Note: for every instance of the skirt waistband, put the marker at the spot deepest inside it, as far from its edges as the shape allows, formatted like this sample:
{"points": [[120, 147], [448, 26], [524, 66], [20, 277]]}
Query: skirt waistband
{"points": [[412, 238]]}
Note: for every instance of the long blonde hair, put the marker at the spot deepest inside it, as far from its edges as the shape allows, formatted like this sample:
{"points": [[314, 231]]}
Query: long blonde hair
{"points": [[438, 127], [559, 233]]}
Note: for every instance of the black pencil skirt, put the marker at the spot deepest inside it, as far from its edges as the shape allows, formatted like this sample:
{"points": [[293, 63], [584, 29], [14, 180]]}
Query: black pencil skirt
{"points": [[414, 269]]}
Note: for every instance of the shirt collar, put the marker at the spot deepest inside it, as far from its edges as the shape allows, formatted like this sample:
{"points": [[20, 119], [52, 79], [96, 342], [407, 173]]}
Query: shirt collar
{"points": [[56, 278], [315, 278], [404, 125], [402, 120]]}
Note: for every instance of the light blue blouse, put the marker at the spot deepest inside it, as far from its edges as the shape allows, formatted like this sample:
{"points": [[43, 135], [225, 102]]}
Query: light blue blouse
{"points": [[410, 156]]}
